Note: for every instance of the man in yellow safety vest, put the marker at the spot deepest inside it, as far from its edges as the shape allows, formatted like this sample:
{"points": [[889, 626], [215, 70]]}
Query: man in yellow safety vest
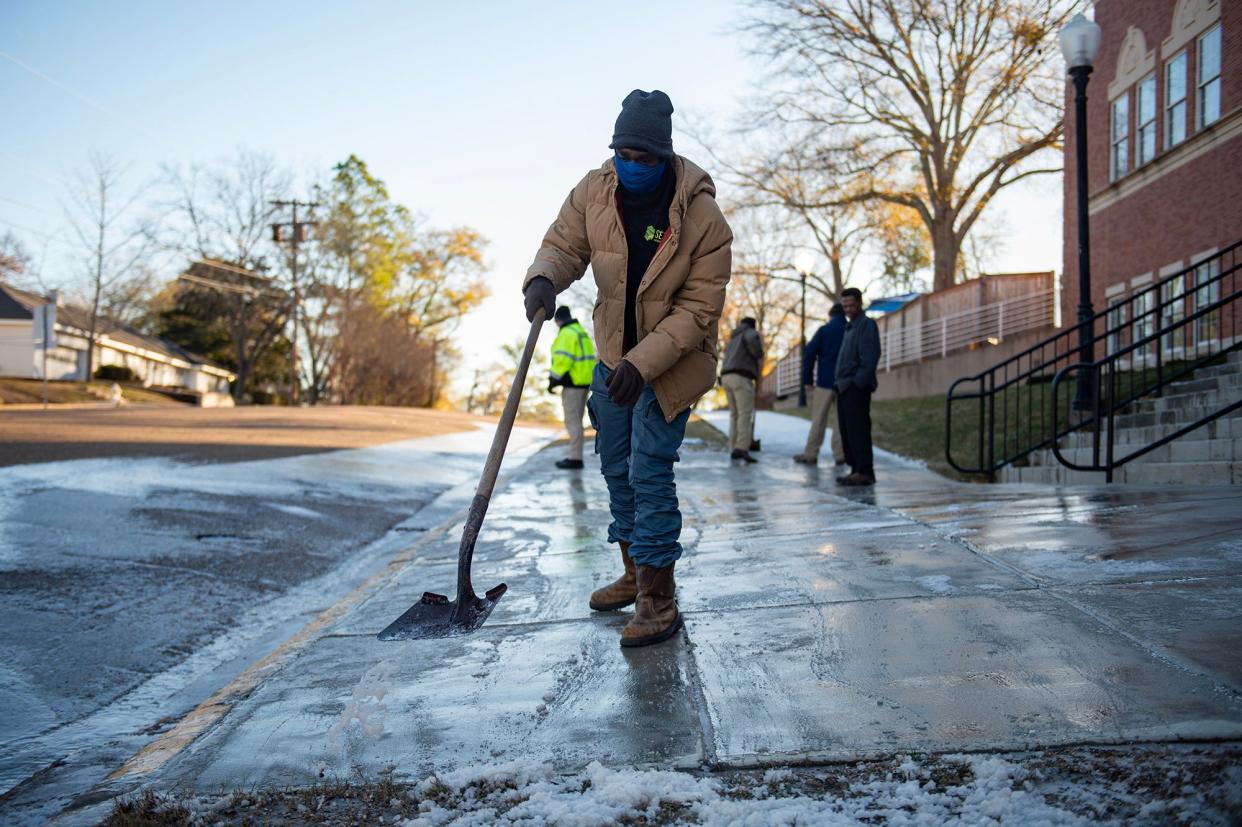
{"points": [[573, 364]]}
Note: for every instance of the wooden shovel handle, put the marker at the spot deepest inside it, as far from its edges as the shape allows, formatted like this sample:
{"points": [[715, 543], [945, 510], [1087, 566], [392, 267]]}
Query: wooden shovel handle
{"points": [[491, 468]]}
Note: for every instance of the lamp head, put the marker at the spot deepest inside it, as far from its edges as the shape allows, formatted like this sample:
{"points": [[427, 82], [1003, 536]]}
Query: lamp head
{"points": [[1080, 42], [804, 261]]}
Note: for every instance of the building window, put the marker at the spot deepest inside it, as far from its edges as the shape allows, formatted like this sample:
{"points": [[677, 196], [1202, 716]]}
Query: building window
{"points": [[1208, 102], [1144, 304], [1175, 101], [1145, 141], [1117, 324], [1207, 292], [1121, 137], [1173, 311]]}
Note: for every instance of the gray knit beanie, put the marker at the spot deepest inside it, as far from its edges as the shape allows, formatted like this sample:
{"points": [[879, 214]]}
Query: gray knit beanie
{"points": [[645, 122]]}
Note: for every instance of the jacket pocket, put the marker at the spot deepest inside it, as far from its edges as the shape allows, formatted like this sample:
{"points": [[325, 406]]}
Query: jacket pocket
{"points": [[693, 375]]}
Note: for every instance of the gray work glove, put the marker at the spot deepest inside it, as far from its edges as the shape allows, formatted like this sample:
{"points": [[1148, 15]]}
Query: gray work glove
{"points": [[625, 385], [540, 293]]}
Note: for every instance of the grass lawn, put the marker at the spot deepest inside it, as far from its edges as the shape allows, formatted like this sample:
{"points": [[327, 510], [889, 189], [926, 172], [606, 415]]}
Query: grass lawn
{"points": [[30, 392], [914, 428], [700, 428]]}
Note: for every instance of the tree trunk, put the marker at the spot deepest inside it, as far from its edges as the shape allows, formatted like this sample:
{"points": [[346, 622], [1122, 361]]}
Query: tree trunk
{"points": [[838, 277], [944, 256], [239, 385]]}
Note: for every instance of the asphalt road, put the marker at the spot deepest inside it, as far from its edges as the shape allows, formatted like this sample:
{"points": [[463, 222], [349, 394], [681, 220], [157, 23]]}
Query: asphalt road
{"points": [[149, 554], [29, 434]]}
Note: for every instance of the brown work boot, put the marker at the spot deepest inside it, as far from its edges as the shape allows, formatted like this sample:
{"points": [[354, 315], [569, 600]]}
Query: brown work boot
{"points": [[655, 616], [619, 593]]}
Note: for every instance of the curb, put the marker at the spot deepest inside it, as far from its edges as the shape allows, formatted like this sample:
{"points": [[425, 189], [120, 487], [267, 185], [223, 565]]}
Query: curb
{"points": [[205, 715]]}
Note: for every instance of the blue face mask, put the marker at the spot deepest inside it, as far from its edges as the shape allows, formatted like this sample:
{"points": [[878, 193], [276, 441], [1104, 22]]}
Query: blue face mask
{"points": [[638, 178]]}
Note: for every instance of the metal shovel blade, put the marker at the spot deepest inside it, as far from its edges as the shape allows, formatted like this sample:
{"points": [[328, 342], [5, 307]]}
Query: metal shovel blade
{"points": [[436, 616]]}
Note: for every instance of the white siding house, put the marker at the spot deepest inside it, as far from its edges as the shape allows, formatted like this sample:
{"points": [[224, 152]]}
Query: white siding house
{"points": [[156, 362]]}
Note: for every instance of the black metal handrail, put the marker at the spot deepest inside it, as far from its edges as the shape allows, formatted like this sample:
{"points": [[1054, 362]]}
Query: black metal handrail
{"points": [[1015, 413], [1110, 399]]}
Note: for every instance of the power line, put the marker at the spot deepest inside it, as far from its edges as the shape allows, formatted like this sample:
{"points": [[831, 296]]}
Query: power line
{"points": [[62, 87], [47, 237]]}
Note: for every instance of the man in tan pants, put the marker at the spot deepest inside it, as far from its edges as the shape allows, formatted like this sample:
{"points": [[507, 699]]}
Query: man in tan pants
{"points": [[742, 361], [821, 352]]}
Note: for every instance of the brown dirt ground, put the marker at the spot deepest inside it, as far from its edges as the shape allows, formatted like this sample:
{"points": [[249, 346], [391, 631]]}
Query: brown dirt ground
{"points": [[210, 434]]}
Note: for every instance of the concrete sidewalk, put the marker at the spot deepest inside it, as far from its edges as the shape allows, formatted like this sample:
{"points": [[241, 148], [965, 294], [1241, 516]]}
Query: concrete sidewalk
{"points": [[821, 623]]}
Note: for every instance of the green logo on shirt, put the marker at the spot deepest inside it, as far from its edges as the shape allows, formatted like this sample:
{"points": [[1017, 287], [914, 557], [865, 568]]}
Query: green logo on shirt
{"points": [[653, 234]]}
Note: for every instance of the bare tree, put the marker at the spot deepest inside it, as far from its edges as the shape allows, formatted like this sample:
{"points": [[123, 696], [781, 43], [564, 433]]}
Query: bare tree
{"points": [[250, 309], [826, 215], [934, 106], [112, 244], [224, 211], [380, 360], [764, 284], [905, 253], [14, 257], [221, 214]]}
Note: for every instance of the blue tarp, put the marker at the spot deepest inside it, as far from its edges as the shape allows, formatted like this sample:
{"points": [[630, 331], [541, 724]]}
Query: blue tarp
{"points": [[891, 303]]}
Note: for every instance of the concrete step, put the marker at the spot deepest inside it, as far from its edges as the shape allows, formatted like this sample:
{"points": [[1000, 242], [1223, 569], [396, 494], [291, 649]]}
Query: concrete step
{"points": [[1227, 369], [1170, 417], [1199, 392], [1180, 473], [1133, 473], [1223, 428], [1049, 475], [1177, 402], [1180, 450], [1229, 384]]}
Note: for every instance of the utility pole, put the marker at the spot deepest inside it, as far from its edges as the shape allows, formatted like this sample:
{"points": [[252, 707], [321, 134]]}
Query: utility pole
{"points": [[297, 233]]}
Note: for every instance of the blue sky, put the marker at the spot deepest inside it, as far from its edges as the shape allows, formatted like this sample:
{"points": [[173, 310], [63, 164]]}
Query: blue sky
{"points": [[479, 113]]}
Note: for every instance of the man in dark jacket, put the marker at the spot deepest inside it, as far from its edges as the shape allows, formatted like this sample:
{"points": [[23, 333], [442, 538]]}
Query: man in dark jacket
{"points": [[819, 370], [856, 381], [742, 362]]}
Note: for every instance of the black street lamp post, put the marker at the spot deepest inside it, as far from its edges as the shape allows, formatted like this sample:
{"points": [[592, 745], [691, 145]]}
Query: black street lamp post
{"points": [[802, 341], [1080, 40]]}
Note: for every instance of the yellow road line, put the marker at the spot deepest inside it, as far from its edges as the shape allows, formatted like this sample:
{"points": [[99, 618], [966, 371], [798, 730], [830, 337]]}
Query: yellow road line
{"points": [[160, 751]]}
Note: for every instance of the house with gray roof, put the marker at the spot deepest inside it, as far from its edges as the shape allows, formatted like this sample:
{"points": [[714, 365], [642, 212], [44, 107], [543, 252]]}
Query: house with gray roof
{"points": [[156, 362]]}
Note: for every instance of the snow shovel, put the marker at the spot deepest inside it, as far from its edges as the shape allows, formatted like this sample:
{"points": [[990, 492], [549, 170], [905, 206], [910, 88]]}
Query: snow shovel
{"points": [[435, 615]]}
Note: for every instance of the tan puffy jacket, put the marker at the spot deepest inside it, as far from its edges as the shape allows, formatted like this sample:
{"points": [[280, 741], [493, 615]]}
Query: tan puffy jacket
{"points": [[681, 295]]}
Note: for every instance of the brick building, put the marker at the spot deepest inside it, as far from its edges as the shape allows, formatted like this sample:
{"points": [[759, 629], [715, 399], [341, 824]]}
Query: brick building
{"points": [[1165, 152]]}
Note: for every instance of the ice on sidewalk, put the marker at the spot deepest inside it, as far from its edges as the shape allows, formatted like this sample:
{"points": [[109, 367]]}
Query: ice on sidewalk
{"points": [[821, 625]]}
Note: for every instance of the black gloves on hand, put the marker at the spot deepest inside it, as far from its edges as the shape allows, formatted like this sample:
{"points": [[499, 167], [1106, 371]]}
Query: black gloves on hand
{"points": [[625, 385], [540, 293]]}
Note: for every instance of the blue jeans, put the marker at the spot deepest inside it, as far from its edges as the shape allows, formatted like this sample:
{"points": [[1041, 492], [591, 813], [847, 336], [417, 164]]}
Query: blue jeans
{"points": [[637, 449]]}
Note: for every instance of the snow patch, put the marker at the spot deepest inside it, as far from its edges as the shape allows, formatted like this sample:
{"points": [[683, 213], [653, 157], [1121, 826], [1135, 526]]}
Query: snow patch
{"points": [[936, 583], [366, 706], [993, 790]]}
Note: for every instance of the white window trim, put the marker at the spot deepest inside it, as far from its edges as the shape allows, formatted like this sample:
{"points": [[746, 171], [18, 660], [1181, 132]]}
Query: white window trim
{"points": [[1184, 100], [1139, 159], [1141, 281], [1200, 123], [1190, 19], [1115, 174]]}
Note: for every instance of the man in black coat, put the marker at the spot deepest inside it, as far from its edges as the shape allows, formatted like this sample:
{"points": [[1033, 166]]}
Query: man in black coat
{"points": [[856, 381]]}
